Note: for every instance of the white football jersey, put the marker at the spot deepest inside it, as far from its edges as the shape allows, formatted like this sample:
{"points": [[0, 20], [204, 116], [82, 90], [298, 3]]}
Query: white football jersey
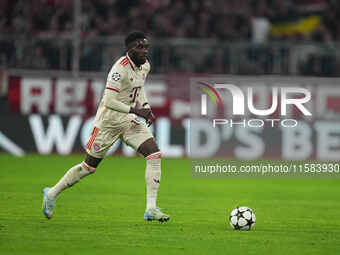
{"points": [[127, 80]]}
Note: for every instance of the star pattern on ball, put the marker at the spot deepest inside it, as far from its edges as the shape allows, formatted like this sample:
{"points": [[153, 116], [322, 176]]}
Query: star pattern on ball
{"points": [[242, 218]]}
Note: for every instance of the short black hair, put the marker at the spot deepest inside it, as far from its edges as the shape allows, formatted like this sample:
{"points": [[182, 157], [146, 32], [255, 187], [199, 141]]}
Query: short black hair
{"points": [[133, 37]]}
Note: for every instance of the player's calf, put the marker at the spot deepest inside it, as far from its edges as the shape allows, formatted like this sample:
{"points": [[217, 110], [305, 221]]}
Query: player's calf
{"points": [[72, 176], [152, 179]]}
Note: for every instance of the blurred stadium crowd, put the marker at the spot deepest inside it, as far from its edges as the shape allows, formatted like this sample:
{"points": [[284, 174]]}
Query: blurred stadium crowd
{"points": [[259, 22], [214, 19]]}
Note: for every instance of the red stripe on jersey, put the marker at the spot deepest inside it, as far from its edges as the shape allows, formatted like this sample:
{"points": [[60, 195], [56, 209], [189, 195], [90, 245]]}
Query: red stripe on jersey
{"points": [[124, 61], [93, 136], [89, 143], [116, 90]]}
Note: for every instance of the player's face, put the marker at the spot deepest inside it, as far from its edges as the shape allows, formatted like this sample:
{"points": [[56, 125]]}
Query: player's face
{"points": [[139, 51]]}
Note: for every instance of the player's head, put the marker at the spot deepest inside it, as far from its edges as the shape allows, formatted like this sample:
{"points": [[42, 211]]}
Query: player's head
{"points": [[137, 46]]}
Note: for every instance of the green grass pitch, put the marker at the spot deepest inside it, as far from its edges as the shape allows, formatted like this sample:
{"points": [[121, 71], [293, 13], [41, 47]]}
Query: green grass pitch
{"points": [[103, 214]]}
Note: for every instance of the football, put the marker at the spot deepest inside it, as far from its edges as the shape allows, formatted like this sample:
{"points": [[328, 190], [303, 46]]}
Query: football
{"points": [[242, 218]]}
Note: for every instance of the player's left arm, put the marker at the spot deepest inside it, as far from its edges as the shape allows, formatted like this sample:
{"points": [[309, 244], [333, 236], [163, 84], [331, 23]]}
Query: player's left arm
{"points": [[143, 101]]}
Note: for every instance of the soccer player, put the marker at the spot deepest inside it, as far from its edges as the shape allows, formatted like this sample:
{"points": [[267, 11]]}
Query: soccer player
{"points": [[117, 118]]}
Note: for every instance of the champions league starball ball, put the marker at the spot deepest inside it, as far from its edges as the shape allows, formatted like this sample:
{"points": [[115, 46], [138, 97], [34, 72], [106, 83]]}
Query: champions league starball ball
{"points": [[242, 218]]}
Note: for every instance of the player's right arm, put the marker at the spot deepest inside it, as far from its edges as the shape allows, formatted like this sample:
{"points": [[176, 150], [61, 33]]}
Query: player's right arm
{"points": [[113, 85]]}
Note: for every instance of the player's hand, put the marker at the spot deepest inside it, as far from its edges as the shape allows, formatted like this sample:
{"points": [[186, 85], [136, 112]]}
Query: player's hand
{"points": [[150, 119], [145, 113]]}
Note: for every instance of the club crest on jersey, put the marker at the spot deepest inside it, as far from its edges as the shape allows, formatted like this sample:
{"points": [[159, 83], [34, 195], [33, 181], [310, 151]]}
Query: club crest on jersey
{"points": [[116, 76], [96, 147]]}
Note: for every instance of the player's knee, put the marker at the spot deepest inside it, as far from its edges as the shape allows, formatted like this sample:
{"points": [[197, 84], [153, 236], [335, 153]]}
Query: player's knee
{"points": [[154, 155], [90, 169], [92, 163], [148, 147]]}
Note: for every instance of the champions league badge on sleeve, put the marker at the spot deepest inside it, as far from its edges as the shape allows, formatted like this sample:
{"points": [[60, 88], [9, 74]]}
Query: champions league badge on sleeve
{"points": [[116, 76]]}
